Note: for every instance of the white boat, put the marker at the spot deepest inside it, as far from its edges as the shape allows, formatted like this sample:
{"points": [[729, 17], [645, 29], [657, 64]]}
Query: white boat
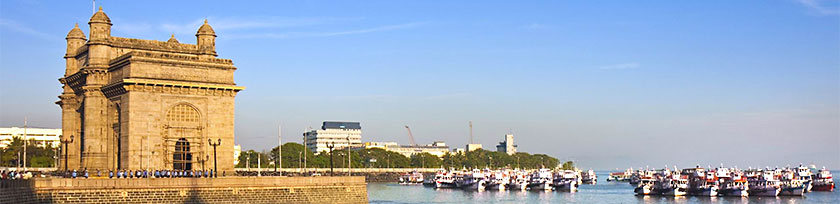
{"points": [[541, 180], [499, 180], [675, 185], [792, 188], [412, 178], [566, 181], [766, 185], [589, 177], [519, 181], [736, 186], [645, 186], [447, 180], [473, 181]]}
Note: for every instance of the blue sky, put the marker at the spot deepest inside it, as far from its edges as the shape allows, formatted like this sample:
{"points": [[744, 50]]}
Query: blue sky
{"points": [[609, 84]]}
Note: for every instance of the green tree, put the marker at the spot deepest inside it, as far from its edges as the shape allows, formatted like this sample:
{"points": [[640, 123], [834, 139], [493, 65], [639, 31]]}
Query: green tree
{"points": [[36, 156], [425, 160], [569, 165]]}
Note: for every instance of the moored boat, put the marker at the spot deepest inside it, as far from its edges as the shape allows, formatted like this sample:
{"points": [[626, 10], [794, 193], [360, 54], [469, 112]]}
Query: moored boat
{"points": [[411, 178], [823, 181], [519, 181], [566, 181], [766, 185], [473, 181], [541, 180], [589, 177]]}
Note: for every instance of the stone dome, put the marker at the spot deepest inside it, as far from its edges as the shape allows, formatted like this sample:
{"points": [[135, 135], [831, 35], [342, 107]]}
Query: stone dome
{"points": [[100, 17], [76, 33], [206, 29]]}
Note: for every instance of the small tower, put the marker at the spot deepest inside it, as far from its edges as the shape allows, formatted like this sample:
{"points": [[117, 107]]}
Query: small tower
{"points": [[206, 40], [100, 26], [75, 40]]}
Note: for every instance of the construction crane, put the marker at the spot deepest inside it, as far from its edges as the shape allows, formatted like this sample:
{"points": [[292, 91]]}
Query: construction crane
{"points": [[410, 137]]}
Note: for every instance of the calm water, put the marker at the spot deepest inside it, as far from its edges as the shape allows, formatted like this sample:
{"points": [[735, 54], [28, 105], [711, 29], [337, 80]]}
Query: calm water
{"points": [[603, 192]]}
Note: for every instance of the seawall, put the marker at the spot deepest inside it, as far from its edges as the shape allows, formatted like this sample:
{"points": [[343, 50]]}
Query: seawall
{"points": [[186, 190]]}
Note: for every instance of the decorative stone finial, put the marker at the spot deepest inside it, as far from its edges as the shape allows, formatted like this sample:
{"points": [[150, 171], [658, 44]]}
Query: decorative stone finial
{"points": [[172, 39]]}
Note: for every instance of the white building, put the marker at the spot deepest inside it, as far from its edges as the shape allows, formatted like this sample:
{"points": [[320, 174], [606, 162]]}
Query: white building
{"points": [[507, 146], [237, 150], [473, 147], [438, 148], [42, 136], [339, 134]]}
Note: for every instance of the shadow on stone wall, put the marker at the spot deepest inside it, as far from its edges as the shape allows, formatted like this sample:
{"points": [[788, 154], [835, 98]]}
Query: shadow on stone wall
{"points": [[22, 191]]}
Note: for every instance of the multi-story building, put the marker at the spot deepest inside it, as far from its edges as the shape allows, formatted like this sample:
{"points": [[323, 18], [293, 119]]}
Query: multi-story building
{"points": [[42, 136], [473, 147], [507, 146], [339, 134], [438, 148]]}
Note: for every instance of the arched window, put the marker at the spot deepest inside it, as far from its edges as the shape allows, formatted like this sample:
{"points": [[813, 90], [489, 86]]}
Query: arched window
{"points": [[183, 113]]}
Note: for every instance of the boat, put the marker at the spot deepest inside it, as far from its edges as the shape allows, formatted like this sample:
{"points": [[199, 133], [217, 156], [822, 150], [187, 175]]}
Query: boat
{"points": [[432, 182], [792, 188], [620, 176], [447, 180], [766, 185], [519, 181], [411, 178], [645, 187], [823, 181], [499, 180], [566, 181], [805, 175], [541, 180], [736, 185], [589, 177], [675, 185], [702, 183], [475, 180]]}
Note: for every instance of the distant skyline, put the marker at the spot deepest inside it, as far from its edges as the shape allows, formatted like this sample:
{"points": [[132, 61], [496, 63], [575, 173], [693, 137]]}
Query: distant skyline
{"points": [[608, 84]]}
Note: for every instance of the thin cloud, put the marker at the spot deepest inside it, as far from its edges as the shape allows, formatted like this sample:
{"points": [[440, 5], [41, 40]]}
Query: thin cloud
{"points": [[224, 23], [14, 26], [630, 65], [327, 34], [536, 26], [817, 7]]}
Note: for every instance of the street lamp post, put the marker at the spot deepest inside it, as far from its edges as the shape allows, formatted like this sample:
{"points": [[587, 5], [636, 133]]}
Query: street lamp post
{"points": [[330, 146], [65, 142], [215, 163], [349, 167]]}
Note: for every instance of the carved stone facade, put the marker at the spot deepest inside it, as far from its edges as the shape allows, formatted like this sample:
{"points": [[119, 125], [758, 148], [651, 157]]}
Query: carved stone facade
{"points": [[146, 104]]}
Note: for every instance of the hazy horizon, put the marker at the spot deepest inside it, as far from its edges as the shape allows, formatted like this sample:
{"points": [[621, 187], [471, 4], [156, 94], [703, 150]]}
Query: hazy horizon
{"points": [[606, 84]]}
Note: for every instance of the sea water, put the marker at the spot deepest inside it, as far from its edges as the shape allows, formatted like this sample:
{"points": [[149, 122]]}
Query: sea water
{"points": [[603, 192]]}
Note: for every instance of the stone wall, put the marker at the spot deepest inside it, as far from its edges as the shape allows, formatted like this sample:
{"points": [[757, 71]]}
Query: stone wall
{"points": [[186, 190]]}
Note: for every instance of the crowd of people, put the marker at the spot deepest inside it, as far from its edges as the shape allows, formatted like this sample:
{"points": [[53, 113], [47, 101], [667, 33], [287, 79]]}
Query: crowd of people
{"points": [[14, 175], [125, 173], [113, 174]]}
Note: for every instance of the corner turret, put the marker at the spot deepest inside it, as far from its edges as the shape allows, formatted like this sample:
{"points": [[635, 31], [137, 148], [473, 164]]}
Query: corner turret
{"points": [[100, 26], [206, 40]]}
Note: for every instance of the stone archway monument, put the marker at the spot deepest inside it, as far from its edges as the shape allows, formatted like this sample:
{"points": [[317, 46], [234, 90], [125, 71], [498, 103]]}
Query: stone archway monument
{"points": [[145, 104]]}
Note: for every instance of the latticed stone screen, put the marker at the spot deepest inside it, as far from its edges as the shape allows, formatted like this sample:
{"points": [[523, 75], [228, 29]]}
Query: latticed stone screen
{"points": [[183, 113]]}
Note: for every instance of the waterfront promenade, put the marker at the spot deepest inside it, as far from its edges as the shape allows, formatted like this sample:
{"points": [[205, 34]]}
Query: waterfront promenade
{"points": [[230, 189]]}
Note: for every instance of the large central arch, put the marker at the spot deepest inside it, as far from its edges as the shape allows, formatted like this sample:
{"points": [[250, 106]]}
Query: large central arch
{"points": [[184, 135]]}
